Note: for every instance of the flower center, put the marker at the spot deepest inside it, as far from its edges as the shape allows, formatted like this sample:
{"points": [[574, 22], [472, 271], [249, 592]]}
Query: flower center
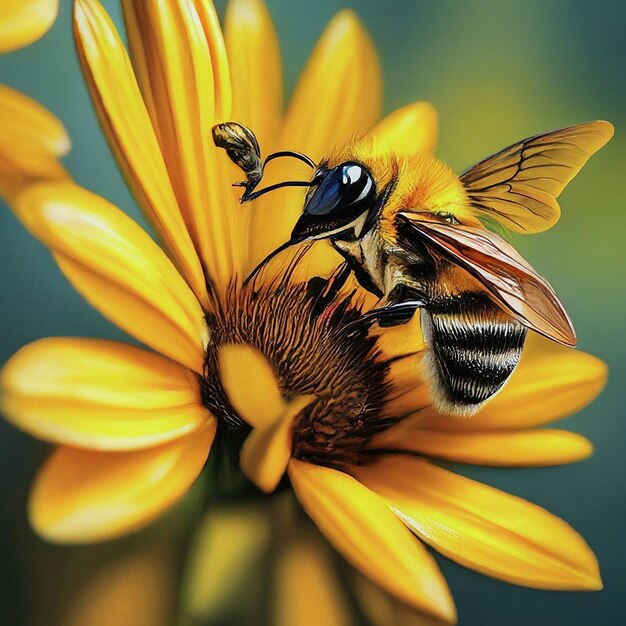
{"points": [[322, 351]]}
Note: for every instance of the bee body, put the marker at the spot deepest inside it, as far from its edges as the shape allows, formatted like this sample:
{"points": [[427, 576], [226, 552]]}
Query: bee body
{"points": [[474, 346]]}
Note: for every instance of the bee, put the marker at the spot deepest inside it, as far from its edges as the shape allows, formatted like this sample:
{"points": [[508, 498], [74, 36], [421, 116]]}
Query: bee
{"points": [[420, 237]]}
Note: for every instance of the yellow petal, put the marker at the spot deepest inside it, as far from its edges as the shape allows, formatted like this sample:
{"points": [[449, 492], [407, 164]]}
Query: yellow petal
{"points": [[83, 496], [22, 22], [257, 84], [24, 119], [26, 166], [266, 451], [228, 547], [406, 372], [176, 42], [406, 339], [117, 267], [307, 588], [532, 448], [544, 387], [222, 91], [381, 609], [338, 95], [31, 142], [482, 528], [409, 402], [402, 346], [128, 128], [411, 129], [256, 72], [363, 528], [336, 99], [250, 384], [99, 394]]}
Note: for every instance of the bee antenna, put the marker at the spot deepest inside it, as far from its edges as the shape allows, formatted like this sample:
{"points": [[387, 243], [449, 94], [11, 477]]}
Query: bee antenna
{"points": [[249, 194], [290, 153], [247, 197]]}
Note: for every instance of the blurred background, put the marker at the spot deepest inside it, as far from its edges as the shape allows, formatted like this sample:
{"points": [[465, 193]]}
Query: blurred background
{"points": [[497, 72]]}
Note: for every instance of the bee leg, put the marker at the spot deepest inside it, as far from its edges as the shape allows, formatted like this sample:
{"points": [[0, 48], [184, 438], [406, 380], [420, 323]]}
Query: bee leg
{"points": [[395, 314], [402, 303], [331, 287], [360, 274]]}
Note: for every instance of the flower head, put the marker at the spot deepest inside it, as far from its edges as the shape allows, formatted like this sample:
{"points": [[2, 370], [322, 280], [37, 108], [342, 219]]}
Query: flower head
{"points": [[336, 404]]}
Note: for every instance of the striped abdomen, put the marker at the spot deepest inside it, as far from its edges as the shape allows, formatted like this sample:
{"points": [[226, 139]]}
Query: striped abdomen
{"points": [[474, 347]]}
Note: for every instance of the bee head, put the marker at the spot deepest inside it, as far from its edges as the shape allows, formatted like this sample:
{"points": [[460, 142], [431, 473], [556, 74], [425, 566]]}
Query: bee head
{"points": [[338, 203]]}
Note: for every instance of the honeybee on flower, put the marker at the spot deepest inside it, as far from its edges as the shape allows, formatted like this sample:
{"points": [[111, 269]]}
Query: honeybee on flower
{"points": [[337, 409], [411, 233]]}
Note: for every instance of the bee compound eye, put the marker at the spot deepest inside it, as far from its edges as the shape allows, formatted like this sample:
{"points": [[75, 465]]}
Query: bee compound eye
{"points": [[339, 190]]}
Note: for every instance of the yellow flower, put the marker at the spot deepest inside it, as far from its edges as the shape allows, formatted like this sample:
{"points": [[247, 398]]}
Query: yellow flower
{"points": [[22, 22], [344, 411]]}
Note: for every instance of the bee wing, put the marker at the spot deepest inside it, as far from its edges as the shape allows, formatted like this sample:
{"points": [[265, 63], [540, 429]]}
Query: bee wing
{"points": [[510, 280], [519, 185]]}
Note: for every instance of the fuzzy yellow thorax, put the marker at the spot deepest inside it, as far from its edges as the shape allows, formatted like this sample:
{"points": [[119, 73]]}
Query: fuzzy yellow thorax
{"points": [[422, 183]]}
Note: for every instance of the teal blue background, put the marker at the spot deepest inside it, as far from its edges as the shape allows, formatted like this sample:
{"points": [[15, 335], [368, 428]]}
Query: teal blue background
{"points": [[497, 72]]}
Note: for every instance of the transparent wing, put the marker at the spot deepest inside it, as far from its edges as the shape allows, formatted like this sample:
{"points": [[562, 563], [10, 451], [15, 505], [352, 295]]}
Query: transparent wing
{"points": [[509, 279]]}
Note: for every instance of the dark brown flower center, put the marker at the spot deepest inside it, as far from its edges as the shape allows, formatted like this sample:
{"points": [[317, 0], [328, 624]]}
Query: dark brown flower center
{"points": [[324, 351]]}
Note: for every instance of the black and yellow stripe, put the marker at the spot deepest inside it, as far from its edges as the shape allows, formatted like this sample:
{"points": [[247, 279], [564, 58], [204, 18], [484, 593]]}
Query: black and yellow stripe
{"points": [[474, 348]]}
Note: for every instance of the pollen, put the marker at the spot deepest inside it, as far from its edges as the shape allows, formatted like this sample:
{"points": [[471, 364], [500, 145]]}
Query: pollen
{"points": [[322, 351]]}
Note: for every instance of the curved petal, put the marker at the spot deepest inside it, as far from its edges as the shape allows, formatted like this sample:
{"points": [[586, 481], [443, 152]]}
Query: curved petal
{"points": [[482, 528], [336, 99], [412, 129], [339, 92], [31, 142], [24, 167], [25, 119], [257, 84], [99, 394], [128, 128], [544, 387], [222, 88], [115, 265], [362, 527], [82, 496], [256, 70], [532, 448], [381, 609], [179, 47], [23, 22], [266, 452], [250, 384]]}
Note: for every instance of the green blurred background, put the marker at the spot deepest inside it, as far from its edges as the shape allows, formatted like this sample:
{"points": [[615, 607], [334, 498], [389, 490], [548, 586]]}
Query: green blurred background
{"points": [[497, 72]]}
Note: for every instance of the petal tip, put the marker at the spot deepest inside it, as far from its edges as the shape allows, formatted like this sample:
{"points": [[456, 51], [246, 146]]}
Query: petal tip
{"points": [[25, 23], [346, 22]]}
